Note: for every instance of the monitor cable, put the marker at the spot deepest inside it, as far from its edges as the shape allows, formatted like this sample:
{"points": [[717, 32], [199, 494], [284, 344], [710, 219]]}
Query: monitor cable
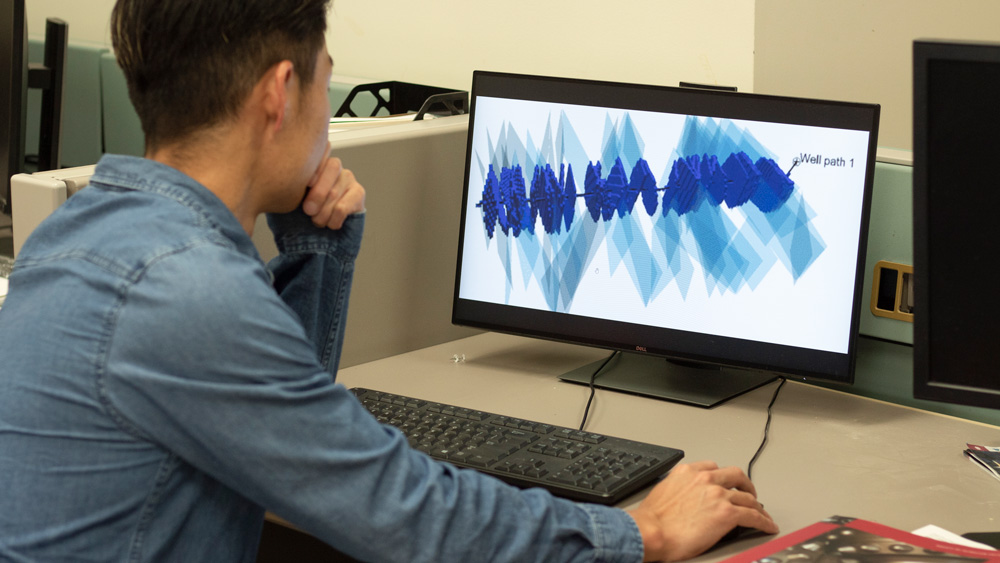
{"points": [[593, 389], [767, 424], [767, 428]]}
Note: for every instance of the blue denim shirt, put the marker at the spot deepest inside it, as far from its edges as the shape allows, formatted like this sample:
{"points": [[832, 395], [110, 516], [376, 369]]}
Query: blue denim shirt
{"points": [[160, 388]]}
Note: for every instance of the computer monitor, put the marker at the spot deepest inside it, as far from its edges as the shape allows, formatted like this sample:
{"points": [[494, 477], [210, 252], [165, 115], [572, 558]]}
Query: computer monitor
{"points": [[714, 237], [956, 120]]}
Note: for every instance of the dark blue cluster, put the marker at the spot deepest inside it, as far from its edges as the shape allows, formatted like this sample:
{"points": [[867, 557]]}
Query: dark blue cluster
{"points": [[619, 191], [504, 201], [691, 180], [553, 199], [738, 180]]}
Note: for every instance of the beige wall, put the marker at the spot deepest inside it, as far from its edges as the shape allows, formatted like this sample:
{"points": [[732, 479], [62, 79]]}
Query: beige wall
{"points": [[87, 19], [859, 50], [441, 42]]}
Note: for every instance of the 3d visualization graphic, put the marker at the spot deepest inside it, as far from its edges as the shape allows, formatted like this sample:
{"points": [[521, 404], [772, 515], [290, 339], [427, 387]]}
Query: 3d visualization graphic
{"points": [[723, 207]]}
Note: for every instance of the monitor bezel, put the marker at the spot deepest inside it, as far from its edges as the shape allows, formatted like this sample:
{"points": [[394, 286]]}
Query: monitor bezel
{"points": [[694, 347]]}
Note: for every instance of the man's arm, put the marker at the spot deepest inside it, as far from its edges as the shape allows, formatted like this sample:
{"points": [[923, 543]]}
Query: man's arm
{"points": [[318, 244]]}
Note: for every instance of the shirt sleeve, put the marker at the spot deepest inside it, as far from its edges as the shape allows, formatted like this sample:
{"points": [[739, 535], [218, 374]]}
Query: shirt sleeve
{"points": [[208, 362], [313, 273]]}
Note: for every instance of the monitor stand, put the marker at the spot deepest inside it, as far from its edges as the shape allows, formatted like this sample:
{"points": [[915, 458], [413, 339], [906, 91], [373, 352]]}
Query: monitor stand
{"points": [[703, 385]]}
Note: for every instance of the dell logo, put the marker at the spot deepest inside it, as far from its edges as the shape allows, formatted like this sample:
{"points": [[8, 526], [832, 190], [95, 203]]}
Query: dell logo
{"points": [[640, 349]]}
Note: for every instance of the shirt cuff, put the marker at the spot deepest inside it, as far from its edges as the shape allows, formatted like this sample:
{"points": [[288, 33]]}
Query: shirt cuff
{"points": [[616, 534], [294, 233]]}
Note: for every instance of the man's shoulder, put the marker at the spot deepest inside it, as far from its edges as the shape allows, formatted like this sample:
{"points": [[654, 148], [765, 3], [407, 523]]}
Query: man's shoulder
{"points": [[121, 232], [206, 269]]}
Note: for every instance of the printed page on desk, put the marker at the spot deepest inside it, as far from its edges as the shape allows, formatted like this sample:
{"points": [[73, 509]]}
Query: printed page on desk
{"points": [[351, 123], [843, 539]]}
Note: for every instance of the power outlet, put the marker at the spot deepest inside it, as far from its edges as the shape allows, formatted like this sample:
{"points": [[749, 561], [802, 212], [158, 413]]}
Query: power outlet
{"points": [[892, 291]]}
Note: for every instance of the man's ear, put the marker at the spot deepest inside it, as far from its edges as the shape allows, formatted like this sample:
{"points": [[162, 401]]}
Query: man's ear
{"points": [[277, 87]]}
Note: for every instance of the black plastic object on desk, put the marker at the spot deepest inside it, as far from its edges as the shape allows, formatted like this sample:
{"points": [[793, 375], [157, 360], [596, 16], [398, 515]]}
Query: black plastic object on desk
{"points": [[403, 97]]}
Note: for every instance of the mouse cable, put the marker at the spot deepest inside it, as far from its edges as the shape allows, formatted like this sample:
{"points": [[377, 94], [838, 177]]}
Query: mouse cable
{"points": [[593, 389], [767, 427]]}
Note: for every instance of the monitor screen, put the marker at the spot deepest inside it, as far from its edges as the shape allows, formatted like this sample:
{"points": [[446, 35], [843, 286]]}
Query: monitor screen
{"points": [[955, 122], [707, 226]]}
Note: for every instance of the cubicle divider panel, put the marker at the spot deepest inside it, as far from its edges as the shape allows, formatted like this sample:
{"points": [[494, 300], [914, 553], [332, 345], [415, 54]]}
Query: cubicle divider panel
{"points": [[122, 130], [82, 128], [890, 238]]}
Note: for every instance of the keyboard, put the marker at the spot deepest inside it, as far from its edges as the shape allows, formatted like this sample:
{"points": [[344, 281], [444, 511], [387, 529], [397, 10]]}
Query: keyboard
{"points": [[577, 465]]}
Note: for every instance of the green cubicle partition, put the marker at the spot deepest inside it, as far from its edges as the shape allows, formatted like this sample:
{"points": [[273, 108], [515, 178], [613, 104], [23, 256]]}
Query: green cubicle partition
{"points": [[890, 238], [81, 127], [122, 131]]}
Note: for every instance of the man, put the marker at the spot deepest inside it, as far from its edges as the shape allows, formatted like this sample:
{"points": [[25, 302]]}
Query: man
{"points": [[161, 387]]}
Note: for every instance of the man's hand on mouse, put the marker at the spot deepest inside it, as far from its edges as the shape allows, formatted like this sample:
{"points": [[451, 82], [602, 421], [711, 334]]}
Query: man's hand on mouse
{"points": [[697, 504]]}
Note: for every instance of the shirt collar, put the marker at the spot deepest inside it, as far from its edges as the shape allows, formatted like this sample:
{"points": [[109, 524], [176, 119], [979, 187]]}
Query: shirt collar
{"points": [[150, 176]]}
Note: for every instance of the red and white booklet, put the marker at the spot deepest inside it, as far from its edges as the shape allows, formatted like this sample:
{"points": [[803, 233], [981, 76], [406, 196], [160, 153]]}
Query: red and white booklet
{"points": [[987, 457], [841, 539]]}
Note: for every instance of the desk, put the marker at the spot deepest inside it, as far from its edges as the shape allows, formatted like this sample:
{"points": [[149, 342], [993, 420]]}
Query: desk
{"points": [[829, 452]]}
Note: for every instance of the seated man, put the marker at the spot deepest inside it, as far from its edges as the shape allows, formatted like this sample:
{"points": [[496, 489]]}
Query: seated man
{"points": [[161, 386]]}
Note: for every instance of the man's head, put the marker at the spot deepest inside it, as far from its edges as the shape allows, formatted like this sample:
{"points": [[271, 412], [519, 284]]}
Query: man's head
{"points": [[190, 64]]}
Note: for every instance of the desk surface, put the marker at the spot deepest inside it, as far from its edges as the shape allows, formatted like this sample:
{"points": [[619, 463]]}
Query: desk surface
{"points": [[829, 453]]}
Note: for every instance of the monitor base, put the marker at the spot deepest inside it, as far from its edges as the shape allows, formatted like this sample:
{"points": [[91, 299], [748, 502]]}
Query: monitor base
{"points": [[700, 385]]}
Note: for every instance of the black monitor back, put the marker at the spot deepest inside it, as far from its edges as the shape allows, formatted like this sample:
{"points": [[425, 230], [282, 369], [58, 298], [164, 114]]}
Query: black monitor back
{"points": [[13, 94], [956, 202]]}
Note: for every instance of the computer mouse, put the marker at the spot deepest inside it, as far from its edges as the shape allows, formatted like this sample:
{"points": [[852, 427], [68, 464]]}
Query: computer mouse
{"points": [[737, 533]]}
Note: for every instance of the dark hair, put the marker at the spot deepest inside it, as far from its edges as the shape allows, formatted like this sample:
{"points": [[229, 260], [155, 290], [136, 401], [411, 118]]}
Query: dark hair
{"points": [[190, 64]]}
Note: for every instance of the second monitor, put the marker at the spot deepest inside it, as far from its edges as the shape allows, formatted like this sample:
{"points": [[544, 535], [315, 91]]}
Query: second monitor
{"points": [[720, 231]]}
